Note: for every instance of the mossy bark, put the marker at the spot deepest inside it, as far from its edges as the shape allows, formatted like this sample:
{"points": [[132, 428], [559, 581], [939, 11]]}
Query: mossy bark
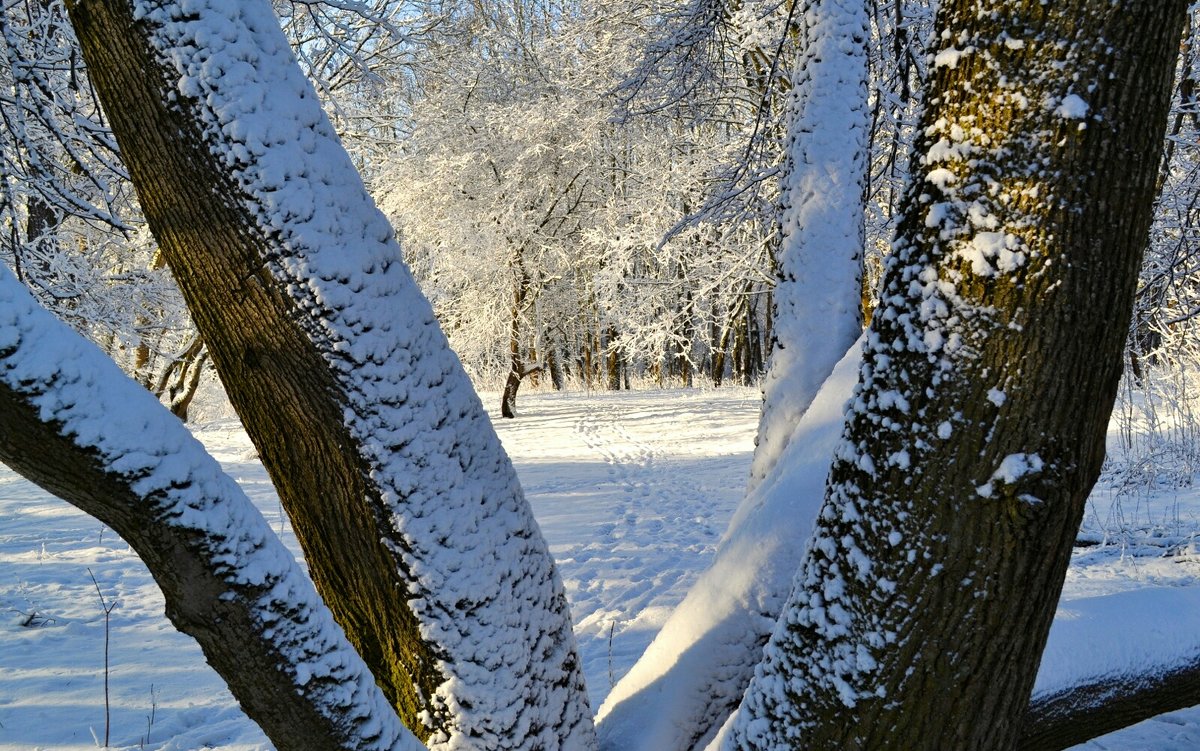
{"points": [[978, 427]]}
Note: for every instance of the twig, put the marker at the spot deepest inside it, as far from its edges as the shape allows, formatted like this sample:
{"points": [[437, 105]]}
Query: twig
{"points": [[107, 608], [611, 680]]}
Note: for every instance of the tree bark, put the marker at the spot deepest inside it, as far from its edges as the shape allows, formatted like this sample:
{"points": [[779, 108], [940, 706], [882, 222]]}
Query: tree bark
{"points": [[410, 515], [1098, 707], [977, 430], [75, 425], [612, 360]]}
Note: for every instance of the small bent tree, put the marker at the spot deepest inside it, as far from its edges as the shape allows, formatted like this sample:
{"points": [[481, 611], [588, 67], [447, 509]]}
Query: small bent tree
{"points": [[977, 430], [701, 661], [817, 310], [410, 515]]}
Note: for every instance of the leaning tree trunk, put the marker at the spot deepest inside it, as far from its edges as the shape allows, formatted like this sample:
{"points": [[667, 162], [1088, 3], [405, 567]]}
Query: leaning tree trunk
{"points": [[695, 672], [73, 423], [816, 311], [977, 430], [413, 523]]}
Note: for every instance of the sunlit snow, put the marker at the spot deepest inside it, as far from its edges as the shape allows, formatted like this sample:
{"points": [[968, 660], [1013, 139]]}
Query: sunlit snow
{"points": [[633, 492]]}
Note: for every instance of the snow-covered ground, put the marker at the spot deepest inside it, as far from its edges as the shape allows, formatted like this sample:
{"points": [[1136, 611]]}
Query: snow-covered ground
{"points": [[633, 491]]}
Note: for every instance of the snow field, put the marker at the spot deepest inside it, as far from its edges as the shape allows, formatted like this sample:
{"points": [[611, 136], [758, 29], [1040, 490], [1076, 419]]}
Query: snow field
{"points": [[632, 491]]}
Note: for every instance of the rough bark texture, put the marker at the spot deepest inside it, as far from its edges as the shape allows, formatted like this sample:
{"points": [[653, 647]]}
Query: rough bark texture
{"points": [[1089, 711], [227, 581], [276, 380], [977, 430], [413, 524]]}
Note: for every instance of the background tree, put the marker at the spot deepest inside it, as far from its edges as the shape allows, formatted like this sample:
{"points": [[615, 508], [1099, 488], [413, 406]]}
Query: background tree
{"points": [[546, 233], [72, 229]]}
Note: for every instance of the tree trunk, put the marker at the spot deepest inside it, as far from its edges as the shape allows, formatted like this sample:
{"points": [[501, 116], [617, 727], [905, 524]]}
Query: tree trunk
{"points": [[97, 439], [721, 353], [412, 521], [816, 313], [689, 680], [185, 389], [508, 400], [180, 379], [977, 430], [612, 360], [556, 372]]}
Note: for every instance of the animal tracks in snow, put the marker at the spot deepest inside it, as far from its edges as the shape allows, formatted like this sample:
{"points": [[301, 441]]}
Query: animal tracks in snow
{"points": [[633, 491]]}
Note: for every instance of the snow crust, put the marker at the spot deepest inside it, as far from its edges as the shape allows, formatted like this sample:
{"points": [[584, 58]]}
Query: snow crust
{"points": [[481, 581], [75, 385], [1072, 107]]}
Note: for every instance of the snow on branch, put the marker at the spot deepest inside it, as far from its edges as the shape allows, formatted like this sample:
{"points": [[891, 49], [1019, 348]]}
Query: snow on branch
{"points": [[77, 426]]}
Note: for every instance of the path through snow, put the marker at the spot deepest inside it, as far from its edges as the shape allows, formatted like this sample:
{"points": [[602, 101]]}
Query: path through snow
{"points": [[632, 494]]}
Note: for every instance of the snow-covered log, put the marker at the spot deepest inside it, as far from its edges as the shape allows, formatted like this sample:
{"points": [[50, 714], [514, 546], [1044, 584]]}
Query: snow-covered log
{"points": [[412, 521], [73, 423], [1112, 661]]}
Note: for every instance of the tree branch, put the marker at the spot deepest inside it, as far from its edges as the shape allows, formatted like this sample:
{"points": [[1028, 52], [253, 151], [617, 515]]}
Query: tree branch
{"points": [[75, 425], [1095, 708]]}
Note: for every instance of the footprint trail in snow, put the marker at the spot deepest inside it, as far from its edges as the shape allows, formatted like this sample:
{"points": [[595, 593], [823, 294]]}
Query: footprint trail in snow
{"points": [[633, 495]]}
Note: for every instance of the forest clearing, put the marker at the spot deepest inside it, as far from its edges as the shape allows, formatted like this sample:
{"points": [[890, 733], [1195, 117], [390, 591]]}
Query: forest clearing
{"points": [[633, 491]]}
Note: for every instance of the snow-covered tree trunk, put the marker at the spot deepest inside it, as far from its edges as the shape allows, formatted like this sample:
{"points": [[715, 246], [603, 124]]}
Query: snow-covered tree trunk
{"points": [[413, 524], [817, 298], [695, 672], [977, 430], [75, 424]]}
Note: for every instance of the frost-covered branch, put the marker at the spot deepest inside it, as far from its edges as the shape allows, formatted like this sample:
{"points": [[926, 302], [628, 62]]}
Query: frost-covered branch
{"points": [[76, 425]]}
